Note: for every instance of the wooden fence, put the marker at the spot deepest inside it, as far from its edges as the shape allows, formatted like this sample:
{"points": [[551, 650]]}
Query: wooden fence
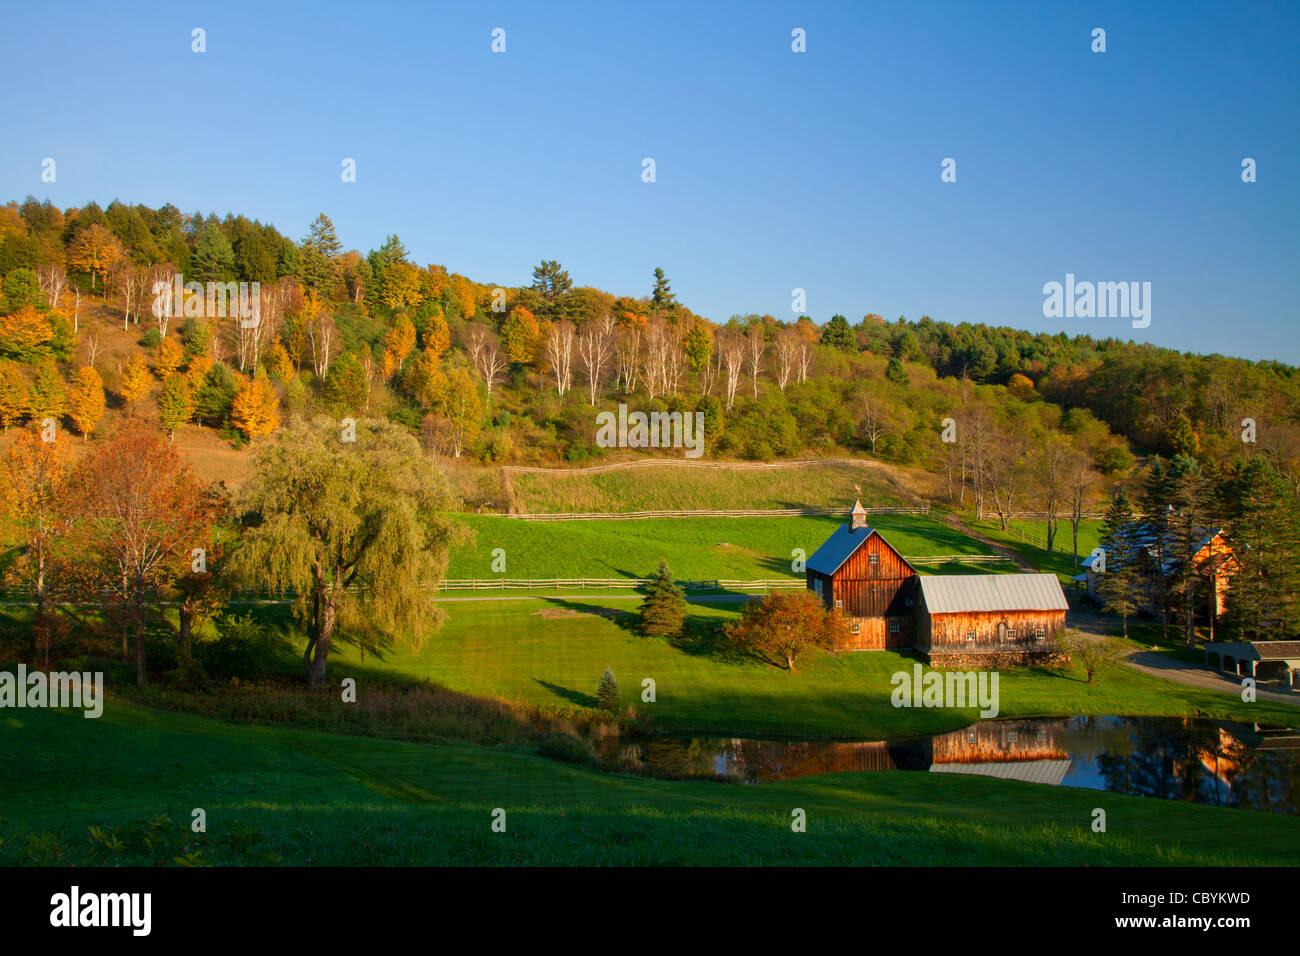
{"points": [[737, 513]]}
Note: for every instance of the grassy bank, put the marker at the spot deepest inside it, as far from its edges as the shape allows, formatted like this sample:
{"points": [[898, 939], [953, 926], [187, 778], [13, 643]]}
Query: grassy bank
{"points": [[281, 796]]}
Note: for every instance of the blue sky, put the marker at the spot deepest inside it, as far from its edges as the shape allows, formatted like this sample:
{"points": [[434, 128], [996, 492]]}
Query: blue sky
{"points": [[775, 170]]}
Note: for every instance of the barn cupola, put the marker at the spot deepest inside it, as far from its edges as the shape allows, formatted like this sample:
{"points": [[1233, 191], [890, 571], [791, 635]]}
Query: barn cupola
{"points": [[857, 517]]}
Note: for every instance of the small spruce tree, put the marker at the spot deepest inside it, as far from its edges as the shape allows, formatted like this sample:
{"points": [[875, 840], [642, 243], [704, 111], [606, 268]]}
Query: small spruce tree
{"points": [[607, 692], [663, 612]]}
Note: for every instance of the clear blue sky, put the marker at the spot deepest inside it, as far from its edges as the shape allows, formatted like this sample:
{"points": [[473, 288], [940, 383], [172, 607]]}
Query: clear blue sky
{"points": [[775, 170]]}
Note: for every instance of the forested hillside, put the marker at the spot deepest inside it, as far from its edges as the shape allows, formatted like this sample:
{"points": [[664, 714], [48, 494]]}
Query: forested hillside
{"points": [[503, 373]]}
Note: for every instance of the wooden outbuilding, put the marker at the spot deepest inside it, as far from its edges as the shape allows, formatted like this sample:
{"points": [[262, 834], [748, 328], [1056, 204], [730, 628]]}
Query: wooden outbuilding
{"points": [[1007, 618], [861, 573]]}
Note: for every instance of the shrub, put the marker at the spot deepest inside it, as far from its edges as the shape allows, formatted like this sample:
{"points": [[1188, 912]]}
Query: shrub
{"points": [[566, 747], [244, 649]]}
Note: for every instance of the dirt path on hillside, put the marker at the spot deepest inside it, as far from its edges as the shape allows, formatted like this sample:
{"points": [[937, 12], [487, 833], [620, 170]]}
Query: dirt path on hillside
{"points": [[1002, 549]]}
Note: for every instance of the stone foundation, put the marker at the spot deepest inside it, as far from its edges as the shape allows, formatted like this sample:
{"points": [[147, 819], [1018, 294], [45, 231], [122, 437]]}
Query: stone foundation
{"points": [[992, 660]]}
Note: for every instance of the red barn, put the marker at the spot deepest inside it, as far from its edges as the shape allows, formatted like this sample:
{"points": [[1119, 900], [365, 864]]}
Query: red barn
{"points": [[957, 619]]}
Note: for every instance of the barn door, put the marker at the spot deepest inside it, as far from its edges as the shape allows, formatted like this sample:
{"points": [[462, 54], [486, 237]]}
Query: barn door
{"points": [[1002, 632]]}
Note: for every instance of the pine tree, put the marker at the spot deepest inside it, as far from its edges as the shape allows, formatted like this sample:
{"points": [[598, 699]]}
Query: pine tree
{"points": [[1120, 582], [661, 296], [1263, 518], [663, 612], [1156, 521], [607, 692], [1191, 523]]}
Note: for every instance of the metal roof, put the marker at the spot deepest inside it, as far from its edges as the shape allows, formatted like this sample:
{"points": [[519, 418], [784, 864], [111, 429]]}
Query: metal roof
{"points": [[830, 556], [955, 593], [1030, 771]]}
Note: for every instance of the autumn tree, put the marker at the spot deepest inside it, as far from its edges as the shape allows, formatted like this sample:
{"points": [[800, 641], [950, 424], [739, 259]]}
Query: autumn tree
{"points": [[520, 335], [782, 626], [15, 395], [139, 513], [34, 494], [48, 396], [86, 400], [356, 529], [255, 410], [94, 251], [136, 380], [25, 334], [397, 346], [168, 357], [175, 404]]}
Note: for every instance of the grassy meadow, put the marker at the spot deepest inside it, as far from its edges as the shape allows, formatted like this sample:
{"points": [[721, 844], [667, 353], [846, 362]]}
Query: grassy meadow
{"points": [[553, 651], [688, 486], [696, 549], [280, 796]]}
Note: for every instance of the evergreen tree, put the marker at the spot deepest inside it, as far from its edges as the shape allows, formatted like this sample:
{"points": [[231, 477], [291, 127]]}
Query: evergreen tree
{"points": [[1263, 518], [213, 259], [1120, 584], [607, 692], [663, 612], [661, 296], [837, 334], [1191, 524], [1157, 527]]}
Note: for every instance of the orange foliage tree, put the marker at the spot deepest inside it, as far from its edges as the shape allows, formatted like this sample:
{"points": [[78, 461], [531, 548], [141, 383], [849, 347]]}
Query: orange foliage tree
{"points": [[34, 500], [95, 251], [256, 408], [139, 515], [135, 379], [782, 626]]}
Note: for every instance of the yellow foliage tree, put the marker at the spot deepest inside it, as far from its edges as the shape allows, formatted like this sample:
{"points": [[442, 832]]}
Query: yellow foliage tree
{"points": [[135, 379], [437, 337], [94, 251], [25, 333], [15, 394], [278, 362], [256, 408], [169, 358], [86, 401], [397, 346]]}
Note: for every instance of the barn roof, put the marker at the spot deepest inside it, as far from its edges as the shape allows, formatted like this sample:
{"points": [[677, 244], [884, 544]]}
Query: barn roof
{"points": [[956, 593], [1031, 771], [831, 556]]}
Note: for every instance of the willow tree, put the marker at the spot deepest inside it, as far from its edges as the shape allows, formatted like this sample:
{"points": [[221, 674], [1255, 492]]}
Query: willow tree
{"points": [[352, 520]]}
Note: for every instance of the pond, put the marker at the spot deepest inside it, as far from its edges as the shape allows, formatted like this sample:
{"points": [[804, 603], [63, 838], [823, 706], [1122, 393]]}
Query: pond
{"points": [[1215, 762]]}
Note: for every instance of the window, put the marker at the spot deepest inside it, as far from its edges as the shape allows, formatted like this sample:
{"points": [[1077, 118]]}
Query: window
{"points": [[873, 559], [1011, 736], [1040, 633], [893, 627], [1011, 634], [970, 637], [839, 604], [856, 627]]}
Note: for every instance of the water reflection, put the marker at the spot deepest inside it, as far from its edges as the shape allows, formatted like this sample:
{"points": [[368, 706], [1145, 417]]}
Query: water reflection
{"points": [[1220, 763]]}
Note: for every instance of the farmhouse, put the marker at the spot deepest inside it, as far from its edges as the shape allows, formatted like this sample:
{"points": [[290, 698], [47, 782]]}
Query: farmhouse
{"points": [[994, 618], [1213, 560]]}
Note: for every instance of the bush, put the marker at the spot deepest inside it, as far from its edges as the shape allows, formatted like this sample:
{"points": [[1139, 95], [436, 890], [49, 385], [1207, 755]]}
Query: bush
{"points": [[566, 747], [151, 339], [244, 649]]}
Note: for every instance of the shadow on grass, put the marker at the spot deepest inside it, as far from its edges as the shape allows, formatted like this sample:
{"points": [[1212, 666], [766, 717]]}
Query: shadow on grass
{"points": [[572, 696]]}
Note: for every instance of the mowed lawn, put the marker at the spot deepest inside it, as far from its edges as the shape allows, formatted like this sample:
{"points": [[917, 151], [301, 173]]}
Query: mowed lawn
{"points": [[277, 795], [696, 549], [553, 651], [1060, 560]]}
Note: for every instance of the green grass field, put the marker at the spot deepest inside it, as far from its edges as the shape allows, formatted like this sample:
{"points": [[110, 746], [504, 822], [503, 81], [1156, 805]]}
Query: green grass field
{"points": [[1060, 560], [554, 651], [690, 487], [273, 795], [696, 549]]}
